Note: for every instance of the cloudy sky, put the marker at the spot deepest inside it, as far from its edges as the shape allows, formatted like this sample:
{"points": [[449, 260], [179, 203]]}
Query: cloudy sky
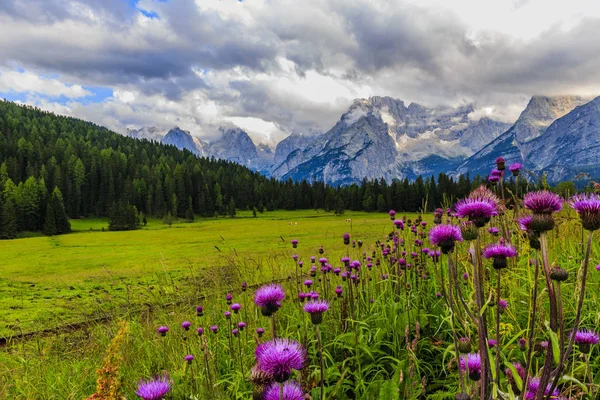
{"points": [[275, 67]]}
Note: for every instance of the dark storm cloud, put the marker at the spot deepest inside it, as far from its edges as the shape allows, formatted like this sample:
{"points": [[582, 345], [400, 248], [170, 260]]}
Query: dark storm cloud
{"points": [[392, 47]]}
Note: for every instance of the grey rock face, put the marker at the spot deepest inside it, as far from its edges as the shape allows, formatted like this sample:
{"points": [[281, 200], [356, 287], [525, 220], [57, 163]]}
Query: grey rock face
{"points": [[184, 140], [541, 111], [380, 137], [146, 132], [235, 145]]}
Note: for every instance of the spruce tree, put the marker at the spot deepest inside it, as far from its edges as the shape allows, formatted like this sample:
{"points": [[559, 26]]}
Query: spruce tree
{"points": [[61, 220], [49, 220], [8, 226]]}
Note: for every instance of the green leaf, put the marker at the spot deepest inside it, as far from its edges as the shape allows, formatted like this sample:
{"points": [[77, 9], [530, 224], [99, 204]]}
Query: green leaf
{"points": [[515, 374], [555, 343], [567, 378]]}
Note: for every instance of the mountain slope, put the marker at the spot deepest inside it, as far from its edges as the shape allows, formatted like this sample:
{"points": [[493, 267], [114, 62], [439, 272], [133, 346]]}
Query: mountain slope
{"points": [[380, 137], [184, 140], [541, 111]]}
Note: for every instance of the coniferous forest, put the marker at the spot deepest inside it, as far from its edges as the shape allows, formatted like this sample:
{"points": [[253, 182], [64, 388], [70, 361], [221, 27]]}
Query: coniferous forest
{"points": [[53, 168]]}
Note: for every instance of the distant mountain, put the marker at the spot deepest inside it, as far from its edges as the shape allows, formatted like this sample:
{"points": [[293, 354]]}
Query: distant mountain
{"points": [[513, 145], [146, 132], [570, 146], [380, 137], [184, 140], [235, 145]]}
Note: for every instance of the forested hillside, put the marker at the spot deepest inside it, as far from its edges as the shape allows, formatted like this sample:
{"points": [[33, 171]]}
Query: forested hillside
{"points": [[53, 167]]}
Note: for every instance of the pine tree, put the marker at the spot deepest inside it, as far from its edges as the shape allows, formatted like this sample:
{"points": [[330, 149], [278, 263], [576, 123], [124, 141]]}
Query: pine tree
{"points": [[8, 225], [49, 220], [61, 221], [168, 219], [189, 215], [231, 208]]}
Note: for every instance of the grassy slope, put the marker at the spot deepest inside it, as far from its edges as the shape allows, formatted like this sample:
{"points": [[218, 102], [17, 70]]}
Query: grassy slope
{"points": [[50, 281]]}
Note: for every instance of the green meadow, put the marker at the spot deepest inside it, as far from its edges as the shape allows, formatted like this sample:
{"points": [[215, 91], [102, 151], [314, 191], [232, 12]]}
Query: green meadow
{"points": [[48, 282]]}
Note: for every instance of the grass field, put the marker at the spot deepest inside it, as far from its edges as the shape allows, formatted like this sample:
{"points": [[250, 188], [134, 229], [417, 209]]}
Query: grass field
{"points": [[52, 281]]}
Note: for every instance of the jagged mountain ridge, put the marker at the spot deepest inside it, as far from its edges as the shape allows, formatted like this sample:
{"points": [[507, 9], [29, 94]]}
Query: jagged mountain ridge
{"points": [[380, 137], [514, 144]]}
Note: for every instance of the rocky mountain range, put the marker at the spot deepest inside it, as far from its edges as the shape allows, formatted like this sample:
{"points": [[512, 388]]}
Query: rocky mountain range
{"points": [[381, 137]]}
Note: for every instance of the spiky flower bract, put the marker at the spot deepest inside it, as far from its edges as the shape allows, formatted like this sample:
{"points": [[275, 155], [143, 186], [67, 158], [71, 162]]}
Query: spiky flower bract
{"points": [[585, 338], [588, 208], [499, 252], [269, 298], [515, 168], [291, 391], [479, 211], [153, 389], [471, 363], [445, 236], [543, 202], [316, 308], [279, 357], [483, 193]]}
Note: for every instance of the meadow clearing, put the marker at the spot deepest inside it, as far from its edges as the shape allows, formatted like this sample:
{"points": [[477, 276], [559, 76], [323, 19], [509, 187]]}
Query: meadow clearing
{"points": [[400, 319]]}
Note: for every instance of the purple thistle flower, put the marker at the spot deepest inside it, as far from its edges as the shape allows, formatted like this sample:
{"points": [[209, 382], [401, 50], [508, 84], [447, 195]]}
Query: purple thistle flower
{"points": [[496, 172], [227, 314], [235, 307], [503, 304], [228, 297], [323, 260], [295, 257], [313, 295], [269, 298], [493, 179], [585, 338], [478, 210], [346, 238], [189, 358], [499, 252], [162, 330], [465, 276], [200, 331], [214, 328], [244, 286], [525, 223], [199, 311], [308, 283], [241, 325], [316, 308], [445, 236], [392, 214], [260, 331], [494, 231], [153, 389], [500, 164], [279, 357], [533, 386], [543, 202], [294, 243], [186, 325], [588, 208], [515, 168], [472, 363], [291, 391], [399, 224], [492, 343], [598, 267], [338, 290]]}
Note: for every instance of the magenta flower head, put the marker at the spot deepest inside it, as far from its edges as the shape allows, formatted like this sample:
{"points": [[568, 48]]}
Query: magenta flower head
{"points": [[235, 307], [227, 314], [503, 304], [493, 231], [588, 208], [235, 332], [316, 309], [500, 164], [200, 311], [493, 178], [399, 224], [200, 331], [525, 223], [543, 203], [189, 358], [214, 328], [392, 214], [499, 253], [515, 168], [162, 330], [186, 325], [241, 325], [291, 391], [338, 290], [533, 386], [492, 343], [244, 286], [280, 357], [346, 238], [477, 210], [323, 260], [294, 243], [598, 267], [472, 364], [308, 283], [153, 389], [228, 297], [585, 339], [269, 298], [445, 236], [260, 331]]}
